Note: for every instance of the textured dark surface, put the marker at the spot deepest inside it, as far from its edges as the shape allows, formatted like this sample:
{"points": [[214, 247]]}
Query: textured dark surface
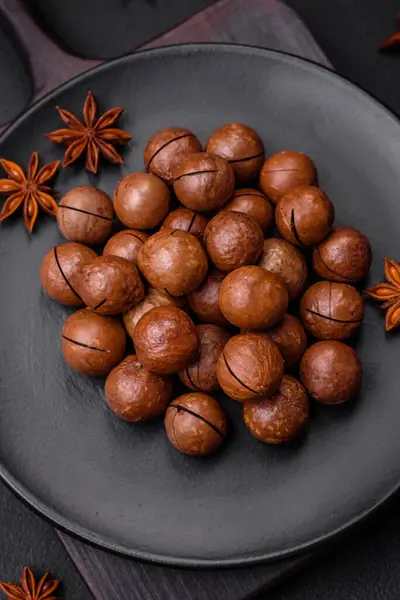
{"points": [[120, 25], [350, 32], [15, 83], [26, 539]]}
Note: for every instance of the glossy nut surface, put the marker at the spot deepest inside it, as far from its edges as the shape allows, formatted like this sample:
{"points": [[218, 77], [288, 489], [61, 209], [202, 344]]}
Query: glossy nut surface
{"points": [[253, 298], [344, 256], [195, 424], [279, 418], [166, 340], [241, 146], [167, 148], [286, 261], [232, 240], [85, 215], [134, 394], [60, 269], [332, 311], [304, 216], [202, 374], [92, 344], [250, 367], [284, 171], [331, 372], [173, 261], [110, 285]]}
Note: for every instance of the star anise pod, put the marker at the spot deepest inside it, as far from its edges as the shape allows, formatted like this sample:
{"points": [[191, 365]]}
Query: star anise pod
{"points": [[392, 42], [93, 135], [388, 293], [30, 589], [28, 189]]}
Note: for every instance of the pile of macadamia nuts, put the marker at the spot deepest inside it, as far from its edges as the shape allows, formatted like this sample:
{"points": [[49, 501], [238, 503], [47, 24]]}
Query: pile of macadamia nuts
{"points": [[205, 290]]}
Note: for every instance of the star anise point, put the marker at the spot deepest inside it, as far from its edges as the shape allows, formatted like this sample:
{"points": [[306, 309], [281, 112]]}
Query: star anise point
{"points": [[28, 189], [388, 293], [95, 135], [30, 589]]}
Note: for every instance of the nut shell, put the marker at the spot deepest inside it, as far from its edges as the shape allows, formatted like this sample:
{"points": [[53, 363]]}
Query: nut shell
{"points": [[153, 299], [252, 298], [331, 372], [232, 240], [187, 220], [204, 181], [166, 340], [59, 270], [280, 418], [290, 338], [110, 285], [255, 204], [250, 367], [241, 146], [173, 261], [284, 171], [332, 311], [166, 150], [203, 301], [202, 375], [344, 256], [304, 216], [85, 214], [92, 344], [134, 394], [141, 200], [195, 424], [286, 261], [126, 244]]}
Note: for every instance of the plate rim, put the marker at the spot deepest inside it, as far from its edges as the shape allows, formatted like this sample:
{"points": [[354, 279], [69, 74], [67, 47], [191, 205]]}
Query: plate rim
{"points": [[70, 526]]}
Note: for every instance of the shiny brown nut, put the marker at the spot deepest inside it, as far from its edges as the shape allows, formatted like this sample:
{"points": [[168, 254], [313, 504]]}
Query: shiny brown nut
{"points": [[332, 311], [280, 418], [187, 220], [286, 261], [92, 344], [153, 299], [232, 240], [241, 146], [202, 374], [59, 270], [331, 372], [204, 182], [166, 340], [344, 256], [255, 204], [126, 244], [284, 171], [203, 301], [173, 261], [85, 214], [250, 367], [304, 216], [110, 285], [290, 338], [252, 298], [141, 201], [134, 394], [166, 150], [195, 424]]}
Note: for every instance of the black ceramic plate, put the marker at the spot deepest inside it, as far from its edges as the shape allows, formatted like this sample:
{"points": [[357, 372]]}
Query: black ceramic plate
{"points": [[124, 487]]}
